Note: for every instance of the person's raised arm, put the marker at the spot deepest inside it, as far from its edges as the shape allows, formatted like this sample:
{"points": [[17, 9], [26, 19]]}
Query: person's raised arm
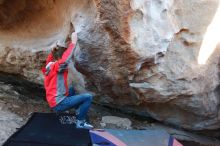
{"points": [[69, 52]]}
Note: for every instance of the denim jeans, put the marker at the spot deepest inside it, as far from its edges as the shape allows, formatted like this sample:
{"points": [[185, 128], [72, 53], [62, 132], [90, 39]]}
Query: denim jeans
{"points": [[80, 102]]}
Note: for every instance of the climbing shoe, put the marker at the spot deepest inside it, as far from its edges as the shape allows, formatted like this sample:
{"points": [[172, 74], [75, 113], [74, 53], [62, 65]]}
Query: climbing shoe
{"points": [[83, 124]]}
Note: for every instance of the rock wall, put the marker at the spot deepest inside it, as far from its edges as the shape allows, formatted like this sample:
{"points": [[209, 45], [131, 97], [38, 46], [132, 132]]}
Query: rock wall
{"points": [[138, 55]]}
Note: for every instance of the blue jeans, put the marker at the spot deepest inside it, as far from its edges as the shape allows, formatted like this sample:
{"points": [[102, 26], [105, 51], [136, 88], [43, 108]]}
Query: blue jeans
{"points": [[80, 102]]}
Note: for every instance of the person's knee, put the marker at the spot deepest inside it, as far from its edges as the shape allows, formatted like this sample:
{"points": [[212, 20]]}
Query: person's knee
{"points": [[89, 96]]}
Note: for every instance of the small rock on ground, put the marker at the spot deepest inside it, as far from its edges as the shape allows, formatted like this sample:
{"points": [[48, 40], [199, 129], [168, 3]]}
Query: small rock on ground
{"points": [[116, 122]]}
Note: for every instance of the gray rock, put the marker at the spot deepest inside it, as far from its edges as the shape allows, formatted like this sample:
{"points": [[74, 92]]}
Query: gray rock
{"points": [[140, 55], [8, 124], [115, 122]]}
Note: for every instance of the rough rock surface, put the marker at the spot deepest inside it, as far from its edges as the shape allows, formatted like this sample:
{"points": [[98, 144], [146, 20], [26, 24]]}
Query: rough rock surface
{"points": [[9, 123], [116, 122], [138, 55]]}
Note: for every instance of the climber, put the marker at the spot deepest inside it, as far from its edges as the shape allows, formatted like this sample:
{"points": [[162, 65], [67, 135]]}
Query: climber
{"points": [[59, 96]]}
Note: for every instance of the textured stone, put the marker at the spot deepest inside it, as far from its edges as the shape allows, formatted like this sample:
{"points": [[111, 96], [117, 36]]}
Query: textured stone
{"points": [[139, 55], [9, 123], [116, 122]]}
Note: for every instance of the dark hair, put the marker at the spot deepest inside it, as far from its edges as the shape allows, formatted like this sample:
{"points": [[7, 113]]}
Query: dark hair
{"points": [[58, 52]]}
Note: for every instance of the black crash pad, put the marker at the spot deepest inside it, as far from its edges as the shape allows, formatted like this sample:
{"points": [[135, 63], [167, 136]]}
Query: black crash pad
{"points": [[50, 129]]}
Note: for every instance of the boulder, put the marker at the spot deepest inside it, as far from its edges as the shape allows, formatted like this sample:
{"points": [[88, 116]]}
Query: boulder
{"points": [[136, 55]]}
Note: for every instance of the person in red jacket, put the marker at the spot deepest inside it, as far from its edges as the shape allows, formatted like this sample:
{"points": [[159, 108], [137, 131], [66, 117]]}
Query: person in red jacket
{"points": [[59, 96]]}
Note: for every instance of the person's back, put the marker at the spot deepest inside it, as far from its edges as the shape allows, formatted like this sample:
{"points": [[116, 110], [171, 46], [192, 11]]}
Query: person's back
{"points": [[56, 73]]}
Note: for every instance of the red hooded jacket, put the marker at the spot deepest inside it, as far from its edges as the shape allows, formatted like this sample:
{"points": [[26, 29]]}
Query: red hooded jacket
{"points": [[55, 74]]}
